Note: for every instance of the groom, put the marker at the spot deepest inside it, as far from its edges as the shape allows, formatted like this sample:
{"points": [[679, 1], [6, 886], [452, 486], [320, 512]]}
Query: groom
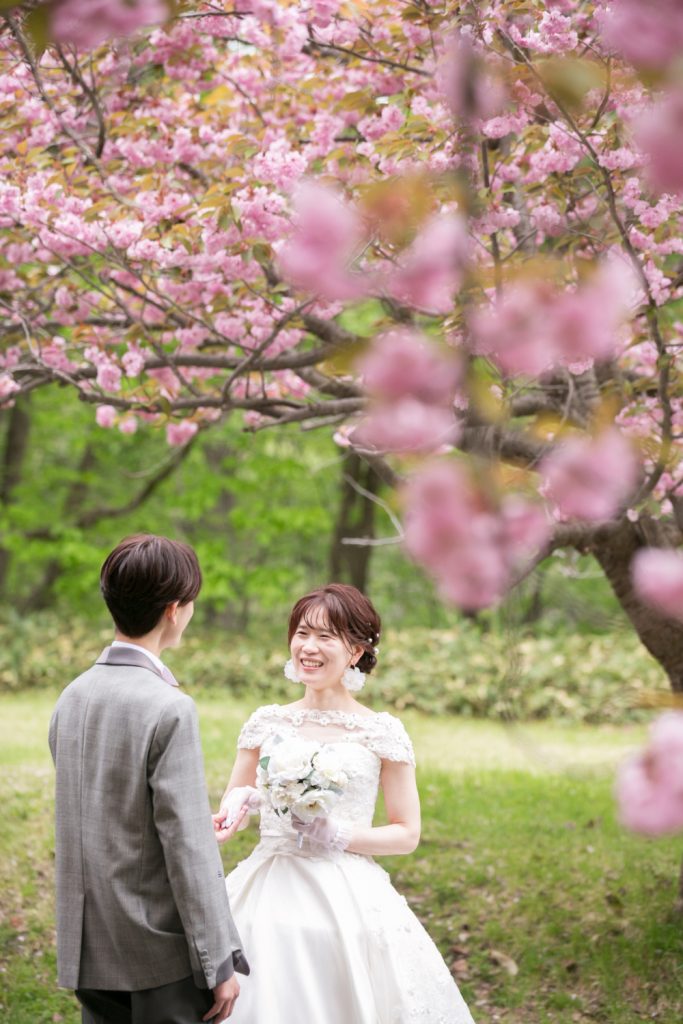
{"points": [[144, 931]]}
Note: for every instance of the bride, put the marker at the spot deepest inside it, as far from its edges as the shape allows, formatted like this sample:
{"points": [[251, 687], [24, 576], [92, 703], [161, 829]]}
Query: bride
{"points": [[330, 940]]}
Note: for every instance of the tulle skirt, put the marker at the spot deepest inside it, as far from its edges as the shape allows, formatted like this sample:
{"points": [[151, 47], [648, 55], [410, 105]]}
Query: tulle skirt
{"points": [[330, 941]]}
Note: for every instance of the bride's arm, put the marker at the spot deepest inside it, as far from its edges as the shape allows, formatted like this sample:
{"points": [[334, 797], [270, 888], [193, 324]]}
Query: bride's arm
{"points": [[244, 770], [402, 804]]}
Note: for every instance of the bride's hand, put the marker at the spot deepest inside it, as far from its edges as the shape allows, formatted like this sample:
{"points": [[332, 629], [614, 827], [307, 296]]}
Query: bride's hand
{"points": [[235, 808], [224, 831], [327, 832]]}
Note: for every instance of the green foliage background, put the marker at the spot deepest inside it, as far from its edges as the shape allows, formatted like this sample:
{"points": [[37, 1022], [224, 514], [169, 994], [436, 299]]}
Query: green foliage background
{"points": [[260, 510]]}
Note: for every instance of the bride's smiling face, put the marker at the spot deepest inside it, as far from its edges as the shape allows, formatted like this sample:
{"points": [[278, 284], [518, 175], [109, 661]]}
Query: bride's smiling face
{"points": [[319, 655]]}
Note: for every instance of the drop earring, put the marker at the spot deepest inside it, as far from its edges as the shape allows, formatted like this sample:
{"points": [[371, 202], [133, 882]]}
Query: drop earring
{"points": [[353, 678], [290, 672]]}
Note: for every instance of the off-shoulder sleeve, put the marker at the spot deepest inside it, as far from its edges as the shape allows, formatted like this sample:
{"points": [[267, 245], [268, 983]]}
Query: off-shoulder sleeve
{"points": [[254, 730], [391, 741]]}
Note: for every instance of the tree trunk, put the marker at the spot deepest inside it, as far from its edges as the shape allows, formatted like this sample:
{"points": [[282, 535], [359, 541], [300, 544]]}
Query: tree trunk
{"points": [[663, 637], [356, 519], [16, 445]]}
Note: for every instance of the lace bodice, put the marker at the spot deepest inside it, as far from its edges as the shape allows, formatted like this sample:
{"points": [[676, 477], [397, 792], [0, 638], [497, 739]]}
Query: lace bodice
{"points": [[361, 741]]}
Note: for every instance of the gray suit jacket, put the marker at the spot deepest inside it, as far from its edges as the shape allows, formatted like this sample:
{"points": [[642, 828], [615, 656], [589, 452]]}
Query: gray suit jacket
{"points": [[141, 898]]}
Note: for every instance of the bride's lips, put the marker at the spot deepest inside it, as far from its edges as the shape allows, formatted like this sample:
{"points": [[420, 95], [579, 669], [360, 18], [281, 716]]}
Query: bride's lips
{"points": [[310, 665]]}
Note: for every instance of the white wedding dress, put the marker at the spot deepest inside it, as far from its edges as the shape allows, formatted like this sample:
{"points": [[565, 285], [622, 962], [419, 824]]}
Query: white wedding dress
{"points": [[328, 938]]}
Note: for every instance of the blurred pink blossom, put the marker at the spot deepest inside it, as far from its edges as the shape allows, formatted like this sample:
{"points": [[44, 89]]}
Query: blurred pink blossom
{"points": [[105, 415], [440, 503], [8, 386], [108, 376], [133, 361], [658, 579], [649, 785], [468, 88], [323, 11], [471, 548], [404, 362], [87, 23], [534, 326], [180, 433], [525, 529], [474, 576], [513, 331], [659, 133], [407, 425], [649, 33], [430, 272], [128, 425], [325, 237], [591, 478]]}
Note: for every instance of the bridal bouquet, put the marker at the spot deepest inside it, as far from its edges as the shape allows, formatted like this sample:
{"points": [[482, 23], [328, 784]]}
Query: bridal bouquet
{"points": [[301, 778]]}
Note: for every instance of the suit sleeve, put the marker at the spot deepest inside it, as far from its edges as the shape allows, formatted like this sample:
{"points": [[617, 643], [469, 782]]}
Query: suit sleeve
{"points": [[182, 818], [52, 736]]}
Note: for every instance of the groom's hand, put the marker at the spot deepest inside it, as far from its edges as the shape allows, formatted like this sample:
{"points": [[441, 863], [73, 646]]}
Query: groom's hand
{"points": [[224, 999], [224, 831]]}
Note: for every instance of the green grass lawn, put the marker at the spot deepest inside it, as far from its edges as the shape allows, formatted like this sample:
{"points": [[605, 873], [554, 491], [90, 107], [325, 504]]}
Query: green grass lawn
{"points": [[543, 908]]}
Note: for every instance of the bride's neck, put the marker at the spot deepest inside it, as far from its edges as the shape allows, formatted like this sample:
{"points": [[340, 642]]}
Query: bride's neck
{"points": [[335, 698]]}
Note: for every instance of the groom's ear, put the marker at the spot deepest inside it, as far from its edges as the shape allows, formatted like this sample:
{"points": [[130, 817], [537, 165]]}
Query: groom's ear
{"points": [[171, 611]]}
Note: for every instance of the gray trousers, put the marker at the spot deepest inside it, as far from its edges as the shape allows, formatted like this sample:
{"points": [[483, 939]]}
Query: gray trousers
{"points": [[181, 1002]]}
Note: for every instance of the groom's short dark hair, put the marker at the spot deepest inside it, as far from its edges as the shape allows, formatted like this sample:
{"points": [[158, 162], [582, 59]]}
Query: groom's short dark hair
{"points": [[143, 575]]}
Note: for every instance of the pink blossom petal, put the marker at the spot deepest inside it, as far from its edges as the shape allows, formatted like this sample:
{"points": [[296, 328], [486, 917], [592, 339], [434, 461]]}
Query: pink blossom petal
{"points": [[658, 580]]}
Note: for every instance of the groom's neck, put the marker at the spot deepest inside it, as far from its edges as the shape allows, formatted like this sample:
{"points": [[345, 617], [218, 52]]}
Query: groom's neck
{"points": [[150, 641]]}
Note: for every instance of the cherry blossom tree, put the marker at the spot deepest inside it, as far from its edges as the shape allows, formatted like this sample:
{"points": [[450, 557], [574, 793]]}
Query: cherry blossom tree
{"points": [[450, 232]]}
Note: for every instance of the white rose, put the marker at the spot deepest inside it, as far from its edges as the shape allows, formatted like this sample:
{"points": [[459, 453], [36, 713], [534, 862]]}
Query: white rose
{"points": [[328, 768], [283, 795], [314, 804], [291, 760]]}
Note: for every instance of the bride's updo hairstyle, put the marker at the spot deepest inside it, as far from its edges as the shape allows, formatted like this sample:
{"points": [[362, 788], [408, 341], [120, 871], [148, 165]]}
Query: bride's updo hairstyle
{"points": [[348, 614]]}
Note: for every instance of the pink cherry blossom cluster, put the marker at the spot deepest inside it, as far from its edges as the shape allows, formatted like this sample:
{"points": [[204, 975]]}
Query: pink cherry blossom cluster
{"points": [[471, 547], [328, 234], [429, 273], [534, 326], [591, 479], [412, 385], [650, 784]]}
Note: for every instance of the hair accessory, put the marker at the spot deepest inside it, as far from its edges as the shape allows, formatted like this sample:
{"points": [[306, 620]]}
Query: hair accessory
{"points": [[353, 678], [290, 672]]}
